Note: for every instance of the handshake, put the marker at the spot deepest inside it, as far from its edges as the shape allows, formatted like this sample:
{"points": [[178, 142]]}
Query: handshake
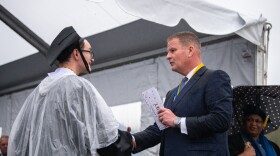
{"points": [[123, 146]]}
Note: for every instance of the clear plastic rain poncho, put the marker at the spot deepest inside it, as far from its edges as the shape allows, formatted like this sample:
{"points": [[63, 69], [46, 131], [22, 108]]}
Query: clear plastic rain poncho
{"points": [[64, 116]]}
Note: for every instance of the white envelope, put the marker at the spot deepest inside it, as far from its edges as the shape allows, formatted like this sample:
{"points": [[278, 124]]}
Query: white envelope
{"points": [[153, 100]]}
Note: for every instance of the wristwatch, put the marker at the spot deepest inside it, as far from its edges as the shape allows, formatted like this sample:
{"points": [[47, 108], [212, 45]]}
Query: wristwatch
{"points": [[177, 122]]}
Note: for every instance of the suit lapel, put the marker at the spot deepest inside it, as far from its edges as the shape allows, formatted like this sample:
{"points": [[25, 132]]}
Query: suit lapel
{"points": [[169, 98], [188, 86]]}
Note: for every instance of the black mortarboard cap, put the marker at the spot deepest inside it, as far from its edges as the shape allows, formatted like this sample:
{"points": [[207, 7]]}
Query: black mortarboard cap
{"points": [[62, 41], [250, 109]]}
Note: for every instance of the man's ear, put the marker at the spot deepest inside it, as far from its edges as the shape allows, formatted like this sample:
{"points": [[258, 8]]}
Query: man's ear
{"points": [[190, 51]]}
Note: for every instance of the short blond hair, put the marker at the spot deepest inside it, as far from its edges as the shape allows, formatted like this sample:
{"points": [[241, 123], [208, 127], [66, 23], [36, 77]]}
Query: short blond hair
{"points": [[186, 38]]}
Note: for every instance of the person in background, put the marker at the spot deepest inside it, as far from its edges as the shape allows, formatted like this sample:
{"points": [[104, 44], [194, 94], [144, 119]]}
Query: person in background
{"points": [[65, 115], [251, 140], [4, 145], [198, 111]]}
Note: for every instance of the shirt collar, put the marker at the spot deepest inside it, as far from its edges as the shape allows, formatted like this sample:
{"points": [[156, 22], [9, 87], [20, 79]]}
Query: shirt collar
{"points": [[191, 73]]}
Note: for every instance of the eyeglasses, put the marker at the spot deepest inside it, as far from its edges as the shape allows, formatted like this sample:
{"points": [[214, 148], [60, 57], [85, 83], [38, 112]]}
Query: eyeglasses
{"points": [[89, 51]]}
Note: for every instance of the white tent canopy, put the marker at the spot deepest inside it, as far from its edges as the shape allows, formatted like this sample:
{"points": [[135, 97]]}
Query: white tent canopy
{"points": [[204, 17]]}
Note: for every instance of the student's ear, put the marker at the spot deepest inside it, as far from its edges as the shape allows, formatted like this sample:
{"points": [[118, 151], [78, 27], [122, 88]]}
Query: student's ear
{"points": [[75, 54]]}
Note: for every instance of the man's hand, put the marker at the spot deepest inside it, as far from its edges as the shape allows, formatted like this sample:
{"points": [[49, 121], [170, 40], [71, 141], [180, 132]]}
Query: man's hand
{"points": [[166, 117]]}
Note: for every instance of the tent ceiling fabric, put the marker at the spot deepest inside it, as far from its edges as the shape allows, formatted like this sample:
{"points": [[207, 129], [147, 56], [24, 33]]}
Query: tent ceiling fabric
{"points": [[201, 15]]}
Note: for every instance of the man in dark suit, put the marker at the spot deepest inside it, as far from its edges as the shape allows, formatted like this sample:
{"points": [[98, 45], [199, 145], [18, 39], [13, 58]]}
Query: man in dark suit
{"points": [[198, 111]]}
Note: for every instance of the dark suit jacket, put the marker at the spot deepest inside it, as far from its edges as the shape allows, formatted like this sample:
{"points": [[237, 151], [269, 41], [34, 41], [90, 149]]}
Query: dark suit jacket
{"points": [[206, 102]]}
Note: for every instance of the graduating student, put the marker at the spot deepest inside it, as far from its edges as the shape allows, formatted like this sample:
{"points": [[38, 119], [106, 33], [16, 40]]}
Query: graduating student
{"points": [[65, 115]]}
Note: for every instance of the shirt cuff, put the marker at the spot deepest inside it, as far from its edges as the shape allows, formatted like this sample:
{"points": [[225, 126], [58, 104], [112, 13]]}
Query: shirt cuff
{"points": [[133, 143], [183, 126]]}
